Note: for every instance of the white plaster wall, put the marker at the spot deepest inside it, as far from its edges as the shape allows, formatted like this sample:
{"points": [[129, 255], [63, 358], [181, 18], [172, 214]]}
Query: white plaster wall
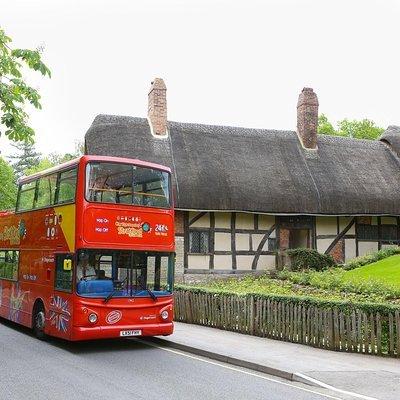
{"points": [[367, 247], [326, 225], [265, 221], [199, 261], [388, 246], [222, 241], [222, 220], [179, 261], [222, 262], [242, 241], [244, 262], [244, 221], [323, 244], [266, 262], [343, 222], [257, 237], [349, 249], [203, 222]]}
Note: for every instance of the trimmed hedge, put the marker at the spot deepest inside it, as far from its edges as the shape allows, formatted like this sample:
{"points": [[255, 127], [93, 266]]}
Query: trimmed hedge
{"points": [[371, 258], [345, 305], [302, 259]]}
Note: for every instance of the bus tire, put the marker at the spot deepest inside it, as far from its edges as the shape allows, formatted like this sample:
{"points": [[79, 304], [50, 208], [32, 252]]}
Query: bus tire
{"points": [[39, 320]]}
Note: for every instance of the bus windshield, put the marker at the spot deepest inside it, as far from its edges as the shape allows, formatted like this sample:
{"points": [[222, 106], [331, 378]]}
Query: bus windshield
{"points": [[123, 273], [108, 182]]}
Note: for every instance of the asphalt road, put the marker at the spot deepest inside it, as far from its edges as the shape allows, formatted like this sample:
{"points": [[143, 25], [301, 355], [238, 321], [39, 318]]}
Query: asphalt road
{"points": [[127, 369]]}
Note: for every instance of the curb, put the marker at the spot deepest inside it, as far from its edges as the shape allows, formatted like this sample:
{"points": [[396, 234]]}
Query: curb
{"points": [[230, 360], [291, 376]]}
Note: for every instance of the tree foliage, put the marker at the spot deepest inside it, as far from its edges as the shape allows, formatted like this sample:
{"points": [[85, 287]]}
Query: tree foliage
{"points": [[8, 189], [25, 159], [15, 93], [54, 159], [363, 129]]}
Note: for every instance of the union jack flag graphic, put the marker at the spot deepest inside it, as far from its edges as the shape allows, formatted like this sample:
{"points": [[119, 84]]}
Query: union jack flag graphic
{"points": [[60, 315]]}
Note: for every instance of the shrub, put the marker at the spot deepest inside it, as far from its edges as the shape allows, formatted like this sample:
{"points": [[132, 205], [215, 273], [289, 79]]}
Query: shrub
{"points": [[309, 259], [371, 258]]}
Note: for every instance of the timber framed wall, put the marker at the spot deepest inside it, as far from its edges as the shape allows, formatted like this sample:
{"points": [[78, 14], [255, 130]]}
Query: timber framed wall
{"points": [[235, 243]]}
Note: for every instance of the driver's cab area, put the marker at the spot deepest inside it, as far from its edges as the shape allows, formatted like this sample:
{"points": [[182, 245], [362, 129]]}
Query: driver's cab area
{"points": [[123, 273]]}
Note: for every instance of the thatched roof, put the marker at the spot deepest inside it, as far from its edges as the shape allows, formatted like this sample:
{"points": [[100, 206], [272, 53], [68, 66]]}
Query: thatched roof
{"points": [[228, 168]]}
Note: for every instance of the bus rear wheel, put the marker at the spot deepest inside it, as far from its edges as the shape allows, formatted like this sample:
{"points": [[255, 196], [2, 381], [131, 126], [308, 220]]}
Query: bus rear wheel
{"points": [[39, 321]]}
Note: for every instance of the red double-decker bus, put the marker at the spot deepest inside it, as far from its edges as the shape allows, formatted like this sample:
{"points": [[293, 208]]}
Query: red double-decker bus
{"points": [[89, 251]]}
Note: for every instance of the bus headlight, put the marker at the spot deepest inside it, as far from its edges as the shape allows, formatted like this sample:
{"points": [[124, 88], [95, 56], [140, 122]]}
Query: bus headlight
{"points": [[92, 318], [164, 315]]}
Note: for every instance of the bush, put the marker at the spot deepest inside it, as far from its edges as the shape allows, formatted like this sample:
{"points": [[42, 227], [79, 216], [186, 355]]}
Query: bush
{"points": [[371, 258], [309, 259]]}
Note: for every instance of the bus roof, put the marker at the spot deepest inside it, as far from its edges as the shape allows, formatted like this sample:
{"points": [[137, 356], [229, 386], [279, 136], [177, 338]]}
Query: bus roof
{"points": [[85, 158]]}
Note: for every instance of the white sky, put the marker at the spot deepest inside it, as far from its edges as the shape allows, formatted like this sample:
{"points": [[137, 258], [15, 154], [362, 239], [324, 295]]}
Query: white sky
{"points": [[240, 63]]}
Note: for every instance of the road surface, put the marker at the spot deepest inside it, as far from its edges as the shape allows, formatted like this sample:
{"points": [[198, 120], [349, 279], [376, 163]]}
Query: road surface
{"points": [[127, 369]]}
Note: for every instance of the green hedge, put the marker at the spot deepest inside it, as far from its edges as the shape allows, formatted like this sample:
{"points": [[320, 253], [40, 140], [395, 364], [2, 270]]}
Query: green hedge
{"points": [[302, 259], [345, 305]]}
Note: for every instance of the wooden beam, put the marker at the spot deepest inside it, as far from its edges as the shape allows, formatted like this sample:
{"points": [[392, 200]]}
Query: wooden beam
{"points": [[212, 240], [197, 217], [379, 233], [233, 239], [260, 247], [338, 237], [186, 240]]}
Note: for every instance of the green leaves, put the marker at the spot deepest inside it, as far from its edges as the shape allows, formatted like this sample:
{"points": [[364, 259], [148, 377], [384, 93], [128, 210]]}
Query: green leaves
{"points": [[15, 92], [8, 188], [363, 129]]}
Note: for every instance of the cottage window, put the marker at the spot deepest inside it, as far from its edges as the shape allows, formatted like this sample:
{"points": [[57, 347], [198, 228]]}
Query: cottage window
{"points": [[367, 232], [199, 242], [389, 233]]}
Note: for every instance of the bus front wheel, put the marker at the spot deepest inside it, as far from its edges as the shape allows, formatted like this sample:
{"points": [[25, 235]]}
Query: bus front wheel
{"points": [[39, 321]]}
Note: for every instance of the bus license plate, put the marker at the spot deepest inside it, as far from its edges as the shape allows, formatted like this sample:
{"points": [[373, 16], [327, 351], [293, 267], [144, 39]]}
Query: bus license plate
{"points": [[136, 332]]}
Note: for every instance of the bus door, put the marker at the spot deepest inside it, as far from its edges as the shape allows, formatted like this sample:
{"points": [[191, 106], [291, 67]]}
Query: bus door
{"points": [[61, 300]]}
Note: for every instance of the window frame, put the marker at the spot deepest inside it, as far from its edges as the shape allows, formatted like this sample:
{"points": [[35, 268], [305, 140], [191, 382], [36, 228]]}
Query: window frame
{"points": [[200, 231], [57, 193], [23, 191], [170, 197], [55, 202], [18, 265], [73, 258], [365, 227], [52, 200]]}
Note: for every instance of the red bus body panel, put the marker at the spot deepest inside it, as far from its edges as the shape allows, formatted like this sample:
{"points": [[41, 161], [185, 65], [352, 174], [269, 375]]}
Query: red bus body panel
{"points": [[41, 234]]}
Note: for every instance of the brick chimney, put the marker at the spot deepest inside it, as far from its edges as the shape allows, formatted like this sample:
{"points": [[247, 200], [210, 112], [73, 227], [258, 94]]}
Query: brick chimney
{"points": [[307, 118], [157, 108]]}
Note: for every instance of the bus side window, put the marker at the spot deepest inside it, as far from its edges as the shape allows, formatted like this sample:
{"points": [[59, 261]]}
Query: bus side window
{"points": [[46, 190], [26, 196], [67, 186], [63, 275]]}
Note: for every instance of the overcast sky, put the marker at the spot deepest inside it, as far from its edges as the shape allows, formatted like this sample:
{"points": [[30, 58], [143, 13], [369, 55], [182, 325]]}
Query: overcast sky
{"points": [[240, 63]]}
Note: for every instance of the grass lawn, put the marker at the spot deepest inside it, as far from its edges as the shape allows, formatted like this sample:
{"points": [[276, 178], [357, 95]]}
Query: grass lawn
{"points": [[386, 271]]}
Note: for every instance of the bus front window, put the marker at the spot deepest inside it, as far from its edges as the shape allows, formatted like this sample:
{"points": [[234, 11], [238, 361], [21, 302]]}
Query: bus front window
{"points": [[123, 273]]}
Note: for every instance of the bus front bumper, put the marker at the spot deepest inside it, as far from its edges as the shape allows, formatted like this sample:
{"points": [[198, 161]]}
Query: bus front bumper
{"points": [[120, 331]]}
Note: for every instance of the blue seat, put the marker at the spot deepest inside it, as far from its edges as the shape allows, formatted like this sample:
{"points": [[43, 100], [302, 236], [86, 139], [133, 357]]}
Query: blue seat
{"points": [[95, 286]]}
